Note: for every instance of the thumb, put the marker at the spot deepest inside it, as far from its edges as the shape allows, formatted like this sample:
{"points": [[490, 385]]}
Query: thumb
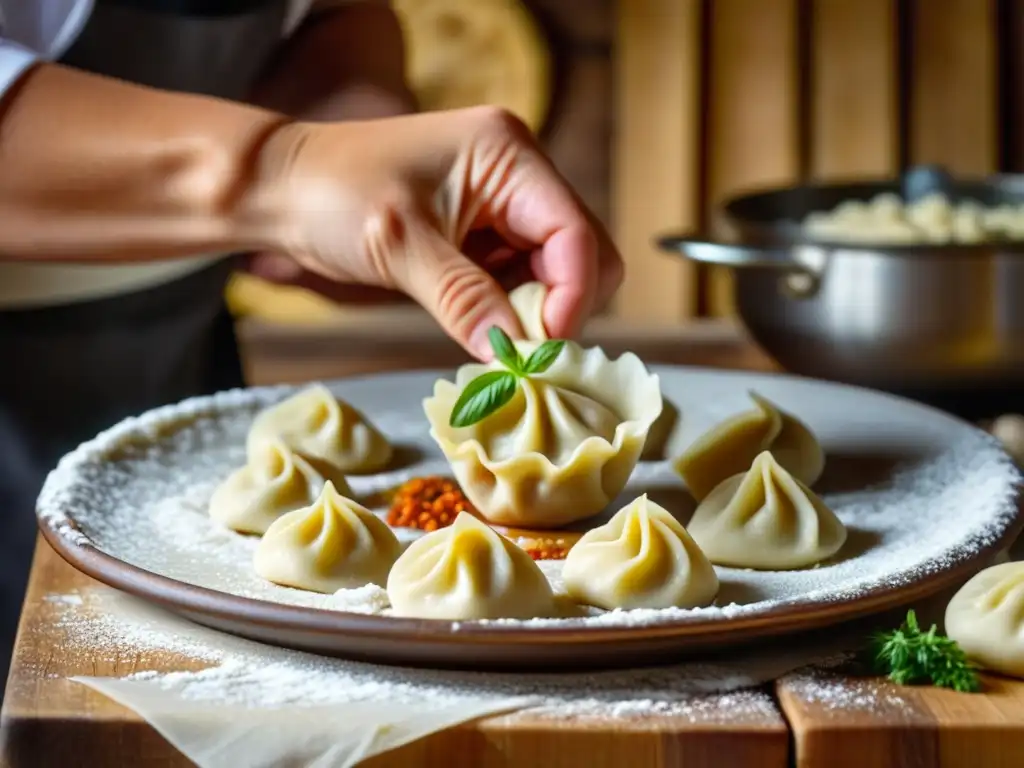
{"points": [[461, 296]]}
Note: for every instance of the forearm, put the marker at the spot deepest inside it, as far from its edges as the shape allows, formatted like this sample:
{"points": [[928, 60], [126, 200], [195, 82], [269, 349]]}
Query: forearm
{"points": [[346, 63], [94, 169]]}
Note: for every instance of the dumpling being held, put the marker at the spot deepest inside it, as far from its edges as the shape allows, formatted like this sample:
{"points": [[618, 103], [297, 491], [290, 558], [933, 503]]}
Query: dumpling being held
{"points": [[986, 618], [528, 302], [333, 544], [766, 519], [641, 558], [562, 448], [468, 571], [273, 481], [329, 433], [730, 447]]}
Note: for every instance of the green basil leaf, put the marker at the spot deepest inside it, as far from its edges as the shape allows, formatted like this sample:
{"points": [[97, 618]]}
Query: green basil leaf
{"points": [[483, 396], [543, 356], [505, 350]]}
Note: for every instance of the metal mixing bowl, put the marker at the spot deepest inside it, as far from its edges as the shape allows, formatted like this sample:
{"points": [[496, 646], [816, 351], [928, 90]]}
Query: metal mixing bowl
{"points": [[888, 316]]}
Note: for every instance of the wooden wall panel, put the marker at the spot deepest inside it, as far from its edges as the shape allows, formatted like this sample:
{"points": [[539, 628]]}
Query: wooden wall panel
{"points": [[752, 109], [953, 101], [854, 79], [656, 155]]}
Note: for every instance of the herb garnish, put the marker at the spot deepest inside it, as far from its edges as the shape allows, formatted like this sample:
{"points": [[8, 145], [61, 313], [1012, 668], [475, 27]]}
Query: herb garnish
{"points": [[908, 656], [492, 390]]}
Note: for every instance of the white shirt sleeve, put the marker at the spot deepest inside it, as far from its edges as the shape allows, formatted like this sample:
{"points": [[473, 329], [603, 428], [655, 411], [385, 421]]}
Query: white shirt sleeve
{"points": [[15, 59]]}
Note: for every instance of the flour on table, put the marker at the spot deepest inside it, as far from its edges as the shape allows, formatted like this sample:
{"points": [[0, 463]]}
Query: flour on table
{"points": [[114, 628], [139, 492]]}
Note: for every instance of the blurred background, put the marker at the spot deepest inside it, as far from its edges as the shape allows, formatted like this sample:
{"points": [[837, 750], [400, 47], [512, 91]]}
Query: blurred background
{"points": [[658, 110]]}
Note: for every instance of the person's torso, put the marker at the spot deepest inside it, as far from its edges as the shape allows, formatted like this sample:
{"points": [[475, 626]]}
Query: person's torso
{"points": [[212, 47]]}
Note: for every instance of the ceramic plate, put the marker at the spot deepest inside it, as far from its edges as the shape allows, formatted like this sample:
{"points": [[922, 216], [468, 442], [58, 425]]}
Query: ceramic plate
{"points": [[927, 500]]}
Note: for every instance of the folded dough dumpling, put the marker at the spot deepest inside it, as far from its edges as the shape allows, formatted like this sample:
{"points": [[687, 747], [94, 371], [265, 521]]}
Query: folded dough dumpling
{"points": [[641, 558], [562, 448], [468, 571], [730, 447], [329, 433], [986, 618], [332, 544], [766, 519], [528, 302], [273, 481]]}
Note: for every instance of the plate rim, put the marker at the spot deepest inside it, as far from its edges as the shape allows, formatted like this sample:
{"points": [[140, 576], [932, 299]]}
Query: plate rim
{"points": [[180, 596]]}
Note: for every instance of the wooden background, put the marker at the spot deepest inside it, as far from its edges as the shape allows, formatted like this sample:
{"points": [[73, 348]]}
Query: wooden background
{"points": [[662, 109], [718, 97]]}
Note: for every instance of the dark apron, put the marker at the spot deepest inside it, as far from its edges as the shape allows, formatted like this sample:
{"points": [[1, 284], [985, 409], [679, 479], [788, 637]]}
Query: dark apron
{"points": [[72, 370]]}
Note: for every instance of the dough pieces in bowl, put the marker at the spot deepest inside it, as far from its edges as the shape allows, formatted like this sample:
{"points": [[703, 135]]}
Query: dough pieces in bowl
{"points": [[329, 433], [273, 481], [333, 544], [562, 448], [730, 447], [766, 519], [986, 618], [641, 558], [468, 571]]}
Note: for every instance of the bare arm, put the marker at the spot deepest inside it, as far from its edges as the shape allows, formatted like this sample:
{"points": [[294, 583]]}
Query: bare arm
{"points": [[95, 169]]}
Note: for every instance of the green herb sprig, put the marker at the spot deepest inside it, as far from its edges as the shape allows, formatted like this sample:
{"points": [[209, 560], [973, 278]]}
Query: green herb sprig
{"points": [[493, 390], [909, 656]]}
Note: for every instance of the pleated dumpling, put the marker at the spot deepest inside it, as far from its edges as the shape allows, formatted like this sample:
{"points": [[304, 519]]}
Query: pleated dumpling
{"points": [[329, 433], [641, 558], [766, 519], [562, 448], [730, 447], [986, 618], [332, 544], [528, 302], [468, 571], [273, 481]]}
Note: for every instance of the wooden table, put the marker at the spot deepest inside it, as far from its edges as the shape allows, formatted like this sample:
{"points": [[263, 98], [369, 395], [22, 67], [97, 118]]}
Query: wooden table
{"points": [[824, 720]]}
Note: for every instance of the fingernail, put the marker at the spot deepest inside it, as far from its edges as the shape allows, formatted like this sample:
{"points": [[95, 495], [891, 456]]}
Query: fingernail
{"points": [[480, 344]]}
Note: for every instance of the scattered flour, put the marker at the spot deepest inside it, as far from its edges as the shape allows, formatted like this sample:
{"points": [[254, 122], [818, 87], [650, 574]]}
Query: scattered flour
{"points": [[115, 628], [139, 492]]}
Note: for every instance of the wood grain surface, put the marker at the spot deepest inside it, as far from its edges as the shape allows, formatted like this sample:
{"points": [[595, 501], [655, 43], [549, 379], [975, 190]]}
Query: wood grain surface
{"points": [[854, 83], [825, 720]]}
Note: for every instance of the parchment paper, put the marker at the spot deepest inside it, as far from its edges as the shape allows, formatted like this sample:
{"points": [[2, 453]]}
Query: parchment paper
{"points": [[225, 734]]}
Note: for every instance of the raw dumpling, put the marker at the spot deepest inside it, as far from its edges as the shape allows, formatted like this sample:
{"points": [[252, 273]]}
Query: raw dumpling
{"points": [[562, 448], [329, 433], [766, 519], [730, 447], [986, 618], [333, 544], [528, 302], [272, 482], [661, 431], [468, 571], [641, 558]]}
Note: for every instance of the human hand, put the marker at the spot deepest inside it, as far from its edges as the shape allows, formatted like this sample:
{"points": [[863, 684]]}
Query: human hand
{"points": [[447, 207]]}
